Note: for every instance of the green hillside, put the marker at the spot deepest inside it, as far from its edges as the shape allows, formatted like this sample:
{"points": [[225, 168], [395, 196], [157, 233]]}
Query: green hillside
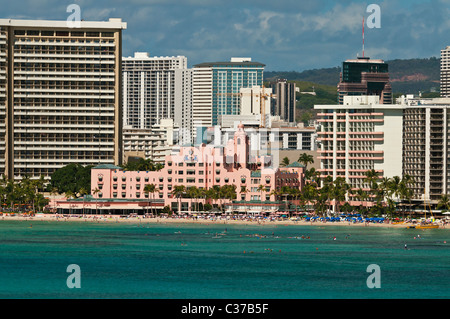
{"points": [[407, 76], [324, 94]]}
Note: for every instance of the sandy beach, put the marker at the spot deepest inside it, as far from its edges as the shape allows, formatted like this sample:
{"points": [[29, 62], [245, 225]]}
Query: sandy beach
{"points": [[199, 220]]}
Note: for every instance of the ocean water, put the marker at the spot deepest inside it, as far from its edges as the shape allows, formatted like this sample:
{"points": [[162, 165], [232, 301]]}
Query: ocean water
{"points": [[192, 261]]}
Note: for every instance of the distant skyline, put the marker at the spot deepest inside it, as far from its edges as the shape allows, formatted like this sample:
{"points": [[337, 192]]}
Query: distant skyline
{"points": [[285, 35]]}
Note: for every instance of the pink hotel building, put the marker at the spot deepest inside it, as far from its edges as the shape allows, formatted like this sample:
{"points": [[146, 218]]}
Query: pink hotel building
{"points": [[121, 192]]}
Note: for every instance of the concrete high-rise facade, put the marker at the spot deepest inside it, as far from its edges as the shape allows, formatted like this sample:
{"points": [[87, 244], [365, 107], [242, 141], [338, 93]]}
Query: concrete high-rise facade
{"points": [[283, 104], [217, 86], [358, 136], [445, 72], [409, 138], [60, 95], [149, 89], [426, 127]]}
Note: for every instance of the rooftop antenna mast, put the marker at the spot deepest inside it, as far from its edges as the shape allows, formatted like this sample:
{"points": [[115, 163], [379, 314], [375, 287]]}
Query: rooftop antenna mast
{"points": [[363, 37]]}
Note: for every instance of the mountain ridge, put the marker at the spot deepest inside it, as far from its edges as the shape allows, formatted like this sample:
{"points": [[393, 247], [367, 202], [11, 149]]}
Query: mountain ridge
{"points": [[407, 76]]}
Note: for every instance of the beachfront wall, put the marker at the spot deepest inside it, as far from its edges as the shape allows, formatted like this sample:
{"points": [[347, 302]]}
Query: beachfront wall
{"points": [[204, 167]]}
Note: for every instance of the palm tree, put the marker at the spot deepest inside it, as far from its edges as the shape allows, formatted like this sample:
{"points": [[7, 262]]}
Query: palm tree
{"points": [[274, 192], [201, 194], [83, 192], [54, 191], [306, 159], [69, 194], [312, 175], [151, 188], [285, 191], [177, 192], [340, 189], [372, 179], [406, 192], [213, 193], [192, 192], [229, 192], [261, 189], [95, 191], [310, 193], [444, 202], [296, 193], [362, 196], [284, 162]]}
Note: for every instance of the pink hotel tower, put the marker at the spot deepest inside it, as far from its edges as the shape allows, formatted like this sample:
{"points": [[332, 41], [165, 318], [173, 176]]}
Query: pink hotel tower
{"points": [[121, 192]]}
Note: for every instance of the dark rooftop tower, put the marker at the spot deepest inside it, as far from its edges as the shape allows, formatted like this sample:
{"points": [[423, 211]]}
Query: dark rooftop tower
{"points": [[364, 76]]}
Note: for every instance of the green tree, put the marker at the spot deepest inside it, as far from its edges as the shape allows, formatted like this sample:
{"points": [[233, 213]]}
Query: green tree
{"points": [[372, 178], [261, 189], [151, 188], [444, 202], [306, 159], [284, 162], [71, 177], [178, 192]]}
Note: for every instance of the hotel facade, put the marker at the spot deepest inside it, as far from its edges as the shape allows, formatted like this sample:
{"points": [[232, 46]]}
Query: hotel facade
{"points": [[360, 135], [205, 166], [410, 137], [60, 95]]}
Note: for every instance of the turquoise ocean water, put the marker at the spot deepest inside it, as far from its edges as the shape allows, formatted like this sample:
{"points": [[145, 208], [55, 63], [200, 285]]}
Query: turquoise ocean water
{"points": [[168, 261]]}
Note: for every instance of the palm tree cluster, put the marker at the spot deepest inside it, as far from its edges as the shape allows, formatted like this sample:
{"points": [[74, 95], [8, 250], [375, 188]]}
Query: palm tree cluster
{"points": [[22, 196], [378, 196], [214, 194], [304, 158], [142, 165]]}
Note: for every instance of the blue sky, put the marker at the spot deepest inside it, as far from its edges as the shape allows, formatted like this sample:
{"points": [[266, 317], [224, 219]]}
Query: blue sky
{"points": [[286, 35]]}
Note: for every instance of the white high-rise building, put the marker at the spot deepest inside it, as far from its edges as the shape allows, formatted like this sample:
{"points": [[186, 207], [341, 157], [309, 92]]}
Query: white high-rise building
{"points": [[183, 104], [201, 99], [216, 90], [445, 72], [360, 135], [149, 89]]}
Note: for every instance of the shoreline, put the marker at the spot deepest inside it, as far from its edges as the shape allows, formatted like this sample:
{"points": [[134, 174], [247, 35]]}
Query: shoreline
{"points": [[202, 221]]}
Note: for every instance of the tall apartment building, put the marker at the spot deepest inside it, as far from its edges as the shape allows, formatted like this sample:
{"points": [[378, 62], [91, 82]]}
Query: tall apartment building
{"points": [[60, 96], [358, 136], [216, 89], [445, 72], [283, 105], [365, 76], [410, 137], [426, 148], [149, 89], [183, 104]]}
